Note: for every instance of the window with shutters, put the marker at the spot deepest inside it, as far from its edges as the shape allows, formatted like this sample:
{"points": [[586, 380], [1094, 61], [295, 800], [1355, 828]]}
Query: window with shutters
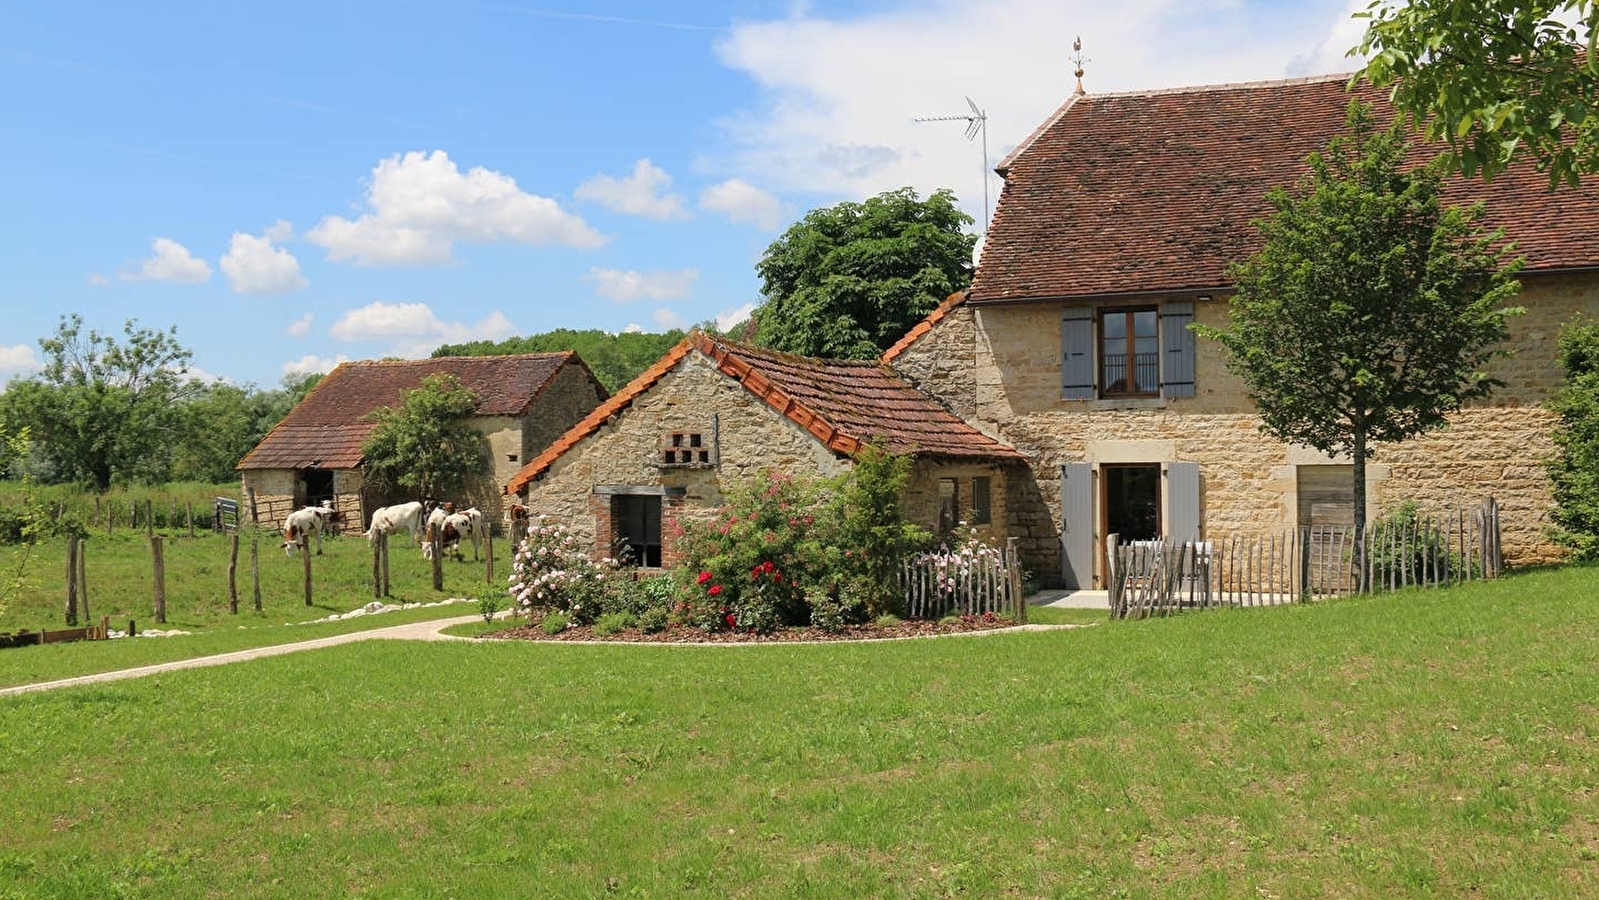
{"points": [[1121, 353]]}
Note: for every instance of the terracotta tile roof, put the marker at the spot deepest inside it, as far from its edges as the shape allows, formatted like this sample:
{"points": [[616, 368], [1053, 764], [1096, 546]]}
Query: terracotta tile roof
{"points": [[1155, 191], [327, 428], [842, 403], [923, 327]]}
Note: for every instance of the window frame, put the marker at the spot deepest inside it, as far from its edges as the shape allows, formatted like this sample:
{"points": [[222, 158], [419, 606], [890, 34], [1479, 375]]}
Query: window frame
{"points": [[1102, 375]]}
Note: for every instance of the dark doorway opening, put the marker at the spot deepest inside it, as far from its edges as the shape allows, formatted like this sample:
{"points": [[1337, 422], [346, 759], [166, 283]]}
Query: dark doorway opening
{"points": [[1132, 501], [314, 486], [636, 520]]}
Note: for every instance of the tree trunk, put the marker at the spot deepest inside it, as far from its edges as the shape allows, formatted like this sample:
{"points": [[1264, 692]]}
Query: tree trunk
{"points": [[1358, 450]]}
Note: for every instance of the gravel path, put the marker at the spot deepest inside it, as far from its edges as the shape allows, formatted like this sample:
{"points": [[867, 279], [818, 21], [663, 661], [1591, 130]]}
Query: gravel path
{"points": [[416, 631]]}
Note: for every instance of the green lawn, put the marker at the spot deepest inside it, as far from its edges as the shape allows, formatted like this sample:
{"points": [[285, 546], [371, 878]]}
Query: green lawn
{"points": [[1420, 745]]}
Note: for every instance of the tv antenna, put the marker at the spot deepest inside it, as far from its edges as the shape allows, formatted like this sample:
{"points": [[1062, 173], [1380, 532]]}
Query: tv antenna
{"points": [[976, 124]]}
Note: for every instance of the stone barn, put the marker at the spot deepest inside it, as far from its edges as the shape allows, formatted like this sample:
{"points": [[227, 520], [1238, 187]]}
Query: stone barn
{"points": [[712, 414], [524, 402], [1119, 218]]}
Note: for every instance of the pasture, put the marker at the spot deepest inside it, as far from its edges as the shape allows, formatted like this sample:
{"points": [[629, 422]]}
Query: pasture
{"points": [[1411, 745]]}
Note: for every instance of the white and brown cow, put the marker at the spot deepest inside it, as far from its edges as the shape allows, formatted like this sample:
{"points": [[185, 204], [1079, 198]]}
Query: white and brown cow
{"points": [[465, 525], [304, 524], [393, 519]]}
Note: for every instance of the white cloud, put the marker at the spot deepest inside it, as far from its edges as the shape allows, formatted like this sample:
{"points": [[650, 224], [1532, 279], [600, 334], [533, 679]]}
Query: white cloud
{"points": [[309, 364], [727, 318], [627, 286], [172, 262], [633, 328], [743, 203], [838, 96], [1343, 33], [18, 359], [98, 280], [666, 320], [299, 327], [254, 266], [412, 330], [201, 376], [639, 194], [418, 205]]}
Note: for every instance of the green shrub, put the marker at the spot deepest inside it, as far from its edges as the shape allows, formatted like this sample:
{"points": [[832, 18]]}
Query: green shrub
{"points": [[612, 623], [489, 603], [1405, 544], [828, 612], [552, 570], [949, 620], [887, 620], [556, 622], [653, 620], [1574, 467]]}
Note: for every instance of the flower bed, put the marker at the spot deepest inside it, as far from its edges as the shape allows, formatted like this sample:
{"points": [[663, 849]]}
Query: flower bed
{"points": [[680, 634]]}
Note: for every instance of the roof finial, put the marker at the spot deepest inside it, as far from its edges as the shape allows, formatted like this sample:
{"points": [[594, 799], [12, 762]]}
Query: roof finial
{"points": [[1077, 62]]}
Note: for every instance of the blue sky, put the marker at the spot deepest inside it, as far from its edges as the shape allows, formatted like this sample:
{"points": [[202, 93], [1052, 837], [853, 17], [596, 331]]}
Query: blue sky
{"points": [[291, 184]]}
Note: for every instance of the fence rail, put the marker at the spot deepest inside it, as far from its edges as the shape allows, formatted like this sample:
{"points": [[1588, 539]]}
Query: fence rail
{"points": [[935, 585], [1161, 577]]}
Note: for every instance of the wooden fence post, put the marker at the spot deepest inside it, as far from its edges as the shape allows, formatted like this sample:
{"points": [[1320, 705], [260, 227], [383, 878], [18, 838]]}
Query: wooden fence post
{"points": [[70, 612], [305, 554], [438, 560], [160, 580], [488, 553], [83, 578], [191, 518], [383, 545], [233, 573], [1015, 572], [149, 518], [255, 567], [250, 494], [377, 567]]}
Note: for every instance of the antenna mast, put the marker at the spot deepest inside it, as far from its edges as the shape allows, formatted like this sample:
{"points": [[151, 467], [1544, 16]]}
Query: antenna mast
{"points": [[976, 124]]}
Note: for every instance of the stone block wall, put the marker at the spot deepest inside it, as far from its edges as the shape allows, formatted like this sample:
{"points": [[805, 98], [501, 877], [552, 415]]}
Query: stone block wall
{"points": [[748, 436], [999, 367]]}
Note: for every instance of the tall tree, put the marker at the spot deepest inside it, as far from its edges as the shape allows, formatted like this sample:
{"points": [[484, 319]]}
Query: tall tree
{"points": [[847, 281], [426, 443], [101, 408], [1370, 311], [613, 358], [1493, 78]]}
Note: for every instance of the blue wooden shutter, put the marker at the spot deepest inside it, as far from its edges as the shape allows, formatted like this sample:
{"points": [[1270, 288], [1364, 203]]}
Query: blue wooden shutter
{"points": [[1177, 349], [1182, 501], [1077, 353], [1077, 525]]}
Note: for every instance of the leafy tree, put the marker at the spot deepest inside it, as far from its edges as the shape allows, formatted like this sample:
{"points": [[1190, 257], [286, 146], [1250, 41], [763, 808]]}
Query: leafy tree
{"points": [[847, 281], [1574, 469], [871, 529], [1367, 315], [222, 423], [615, 359], [1492, 77], [101, 408], [426, 444]]}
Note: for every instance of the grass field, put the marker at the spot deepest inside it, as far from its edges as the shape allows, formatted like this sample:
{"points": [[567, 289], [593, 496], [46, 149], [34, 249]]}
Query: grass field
{"points": [[1418, 745], [120, 578]]}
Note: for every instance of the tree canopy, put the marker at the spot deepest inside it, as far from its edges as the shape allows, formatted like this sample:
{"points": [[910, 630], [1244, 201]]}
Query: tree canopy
{"points": [[613, 358], [1493, 78], [102, 407], [849, 280], [426, 444], [1370, 311]]}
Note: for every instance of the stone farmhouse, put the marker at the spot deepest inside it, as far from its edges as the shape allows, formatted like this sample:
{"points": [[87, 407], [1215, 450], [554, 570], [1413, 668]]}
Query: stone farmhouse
{"points": [[712, 414], [525, 401], [1119, 218]]}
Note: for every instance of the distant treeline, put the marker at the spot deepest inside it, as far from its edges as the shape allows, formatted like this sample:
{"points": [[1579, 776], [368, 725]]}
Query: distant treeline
{"points": [[615, 359]]}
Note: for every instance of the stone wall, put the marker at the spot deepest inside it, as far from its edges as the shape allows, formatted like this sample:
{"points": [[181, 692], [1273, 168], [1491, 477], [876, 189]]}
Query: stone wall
{"points": [[746, 434], [999, 368]]}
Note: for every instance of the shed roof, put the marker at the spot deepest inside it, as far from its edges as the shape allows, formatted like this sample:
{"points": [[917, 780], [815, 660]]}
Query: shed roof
{"points": [[1156, 191], [327, 428], [844, 404]]}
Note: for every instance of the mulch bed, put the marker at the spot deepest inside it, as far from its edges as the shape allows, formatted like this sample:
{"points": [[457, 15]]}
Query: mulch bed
{"points": [[910, 628]]}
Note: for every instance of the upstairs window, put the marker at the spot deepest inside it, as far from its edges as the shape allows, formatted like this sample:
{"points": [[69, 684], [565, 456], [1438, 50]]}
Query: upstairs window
{"points": [[1129, 353], [1117, 352]]}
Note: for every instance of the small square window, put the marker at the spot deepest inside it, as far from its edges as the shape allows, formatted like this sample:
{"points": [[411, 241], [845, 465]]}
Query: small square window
{"points": [[686, 448]]}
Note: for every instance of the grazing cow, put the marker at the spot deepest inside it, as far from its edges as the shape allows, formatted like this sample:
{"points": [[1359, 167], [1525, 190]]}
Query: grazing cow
{"points": [[303, 524], [392, 519], [468, 524]]}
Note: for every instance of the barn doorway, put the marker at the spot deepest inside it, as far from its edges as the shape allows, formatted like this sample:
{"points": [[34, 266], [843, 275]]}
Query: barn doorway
{"points": [[313, 486]]}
